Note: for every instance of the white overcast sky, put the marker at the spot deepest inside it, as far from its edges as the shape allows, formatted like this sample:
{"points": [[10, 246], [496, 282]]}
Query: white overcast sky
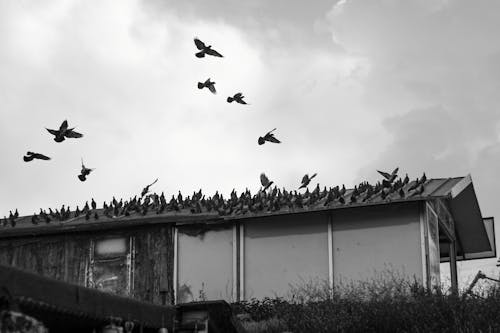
{"points": [[351, 85]]}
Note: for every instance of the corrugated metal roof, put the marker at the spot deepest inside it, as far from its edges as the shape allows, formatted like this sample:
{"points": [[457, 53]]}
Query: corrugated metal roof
{"points": [[273, 202]]}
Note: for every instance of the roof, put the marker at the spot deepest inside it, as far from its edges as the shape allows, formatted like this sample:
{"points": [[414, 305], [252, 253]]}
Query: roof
{"points": [[216, 209], [67, 303], [155, 209]]}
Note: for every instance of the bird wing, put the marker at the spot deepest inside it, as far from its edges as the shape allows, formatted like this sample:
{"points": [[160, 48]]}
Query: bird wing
{"points": [[271, 138], [214, 53], [51, 131], [28, 158], [40, 156], [274, 129], [72, 134], [263, 179], [395, 171], [238, 95], [384, 174], [64, 126], [153, 182], [314, 175], [305, 179], [212, 88], [199, 44]]}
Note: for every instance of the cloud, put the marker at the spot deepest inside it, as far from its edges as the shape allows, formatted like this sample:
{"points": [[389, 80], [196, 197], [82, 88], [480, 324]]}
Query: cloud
{"points": [[431, 84], [125, 74]]}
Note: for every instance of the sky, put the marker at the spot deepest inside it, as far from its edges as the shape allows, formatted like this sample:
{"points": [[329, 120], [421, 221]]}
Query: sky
{"points": [[351, 86]]}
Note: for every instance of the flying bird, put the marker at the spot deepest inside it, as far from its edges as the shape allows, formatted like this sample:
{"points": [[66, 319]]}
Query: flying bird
{"points": [[30, 156], [390, 177], [205, 49], [84, 172], [238, 98], [265, 181], [64, 132], [306, 180], [268, 137], [146, 189], [208, 84]]}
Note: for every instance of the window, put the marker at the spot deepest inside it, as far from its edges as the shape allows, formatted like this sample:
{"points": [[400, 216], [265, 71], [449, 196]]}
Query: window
{"points": [[110, 266]]}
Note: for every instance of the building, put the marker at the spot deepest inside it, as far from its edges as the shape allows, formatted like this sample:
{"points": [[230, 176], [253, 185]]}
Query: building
{"points": [[256, 246]]}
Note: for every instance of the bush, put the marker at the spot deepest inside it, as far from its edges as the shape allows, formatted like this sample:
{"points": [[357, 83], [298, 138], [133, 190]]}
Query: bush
{"points": [[383, 305]]}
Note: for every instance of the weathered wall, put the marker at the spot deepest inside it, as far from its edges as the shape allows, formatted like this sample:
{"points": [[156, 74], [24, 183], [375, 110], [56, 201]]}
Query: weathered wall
{"points": [[64, 257], [154, 265], [60, 257]]}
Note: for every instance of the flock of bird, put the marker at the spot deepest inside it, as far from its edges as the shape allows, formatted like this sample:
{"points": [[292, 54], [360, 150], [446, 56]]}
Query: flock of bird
{"points": [[59, 136], [267, 199]]}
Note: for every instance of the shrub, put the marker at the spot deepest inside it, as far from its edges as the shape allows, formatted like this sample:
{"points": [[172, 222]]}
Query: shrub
{"points": [[382, 305]]}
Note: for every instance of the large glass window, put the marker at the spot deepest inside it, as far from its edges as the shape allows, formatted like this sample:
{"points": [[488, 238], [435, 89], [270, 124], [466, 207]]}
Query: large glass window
{"points": [[111, 263]]}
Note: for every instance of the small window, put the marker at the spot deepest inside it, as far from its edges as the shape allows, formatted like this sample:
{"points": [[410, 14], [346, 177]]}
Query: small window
{"points": [[111, 263]]}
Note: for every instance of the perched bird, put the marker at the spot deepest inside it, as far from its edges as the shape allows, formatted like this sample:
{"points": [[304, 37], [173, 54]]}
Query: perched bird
{"points": [[419, 190], [84, 172], [30, 156], [208, 84], [390, 177], [306, 180], [265, 181], [238, 98], [64, 132], [205, 49], [268, 137], [93, 204], [146, 189], [406, 180]]}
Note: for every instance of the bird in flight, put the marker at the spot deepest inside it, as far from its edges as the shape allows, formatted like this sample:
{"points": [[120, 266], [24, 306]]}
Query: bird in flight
{"points": [[238, 98], [208, 84], [64, 132], [205, 49], [265, 181], [30, 156], [306, 180], [390, 177], [146, 189], [84, 172], [268, 137]]}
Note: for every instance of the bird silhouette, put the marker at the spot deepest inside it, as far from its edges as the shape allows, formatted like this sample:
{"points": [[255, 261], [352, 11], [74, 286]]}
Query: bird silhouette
{"points": [[306, 180], [265, 181], [146, 189], [30, 156], [208, 84], [238, 98], [204, 49], [390, 177], [84, 172], [268, 137], [64, 132]]}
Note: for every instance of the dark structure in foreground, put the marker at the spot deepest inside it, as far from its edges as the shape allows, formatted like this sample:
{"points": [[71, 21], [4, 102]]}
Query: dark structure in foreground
{"points": [[64, 307], [246, 246]]}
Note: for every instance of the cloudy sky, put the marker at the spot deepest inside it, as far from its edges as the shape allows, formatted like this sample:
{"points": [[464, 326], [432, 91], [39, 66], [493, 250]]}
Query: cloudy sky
{"points": [[351, 85]]}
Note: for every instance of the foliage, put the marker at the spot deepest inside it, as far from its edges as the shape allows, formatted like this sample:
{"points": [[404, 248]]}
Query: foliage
{"points": [[383, 305]]}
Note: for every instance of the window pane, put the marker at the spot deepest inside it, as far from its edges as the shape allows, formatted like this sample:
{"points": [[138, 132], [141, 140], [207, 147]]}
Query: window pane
{"points": [[110, 247], [111, 276]]}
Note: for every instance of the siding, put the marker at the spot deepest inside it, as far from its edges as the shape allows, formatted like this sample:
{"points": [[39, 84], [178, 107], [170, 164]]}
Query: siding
{"points": [[65, 257]]}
